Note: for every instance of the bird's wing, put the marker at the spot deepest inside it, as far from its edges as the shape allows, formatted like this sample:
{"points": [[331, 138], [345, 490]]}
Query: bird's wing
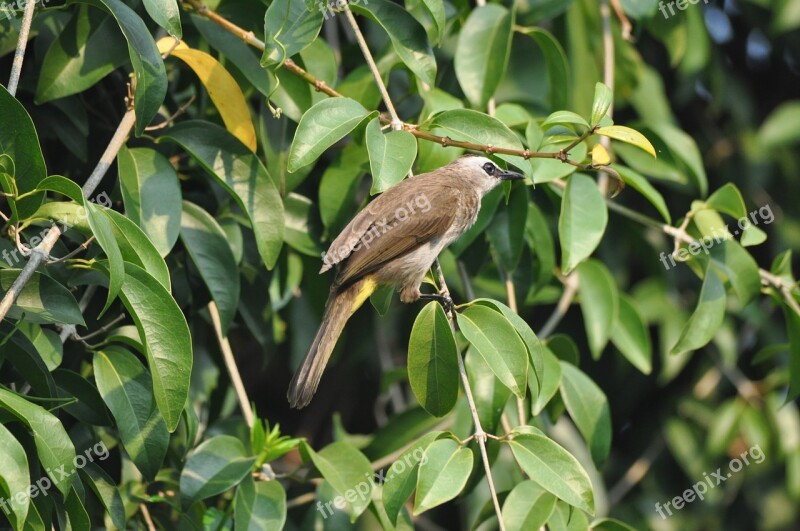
{"points": [[389, 236]]}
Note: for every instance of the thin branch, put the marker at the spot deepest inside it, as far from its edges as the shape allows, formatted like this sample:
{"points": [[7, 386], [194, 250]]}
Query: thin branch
{"points": [[105, 328], [636, 472], [22, 43], [147, 518], [81, 248], [321, 86], [570, 290], [69, 330], [479, 435], [623, 20], [230, 364], [397, 123]]}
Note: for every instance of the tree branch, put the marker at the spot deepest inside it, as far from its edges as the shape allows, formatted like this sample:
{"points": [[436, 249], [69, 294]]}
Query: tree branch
{"points": [[22, 43]]}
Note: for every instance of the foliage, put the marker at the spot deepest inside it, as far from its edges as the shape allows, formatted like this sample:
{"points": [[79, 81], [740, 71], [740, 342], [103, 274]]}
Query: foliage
{"points": [[183, 277]]}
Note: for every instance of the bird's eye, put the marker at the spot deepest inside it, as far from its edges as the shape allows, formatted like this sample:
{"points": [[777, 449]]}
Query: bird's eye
{"points": [[489, 168]]}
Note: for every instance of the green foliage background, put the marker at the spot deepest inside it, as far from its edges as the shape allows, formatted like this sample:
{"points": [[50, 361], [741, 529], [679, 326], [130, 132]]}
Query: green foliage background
{"points": [[608, 379]]}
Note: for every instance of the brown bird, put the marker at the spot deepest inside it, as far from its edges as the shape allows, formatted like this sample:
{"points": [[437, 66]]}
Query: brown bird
{"points": [[395, 241]]}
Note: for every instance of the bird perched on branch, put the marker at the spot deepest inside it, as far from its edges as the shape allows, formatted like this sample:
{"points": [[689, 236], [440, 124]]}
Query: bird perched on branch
{"points": [[394, 241]]}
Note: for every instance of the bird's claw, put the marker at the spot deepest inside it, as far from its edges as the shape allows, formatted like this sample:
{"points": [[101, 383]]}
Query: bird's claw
{"points": [[442, 298]]}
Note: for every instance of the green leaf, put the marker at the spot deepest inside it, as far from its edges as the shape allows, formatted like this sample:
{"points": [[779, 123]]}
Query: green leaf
{"points": [[610, 524], [482, 53], [507, 230], [443, 473], [408, 37], [208, 247], [289, 26], [14, 477], [554, 469], [550, 381], [151, 76], [53, 445], [168, 346], [498, 343], [565, 117], [782, 126], [684, 149], [631, 337], [346, 469], [401, 479], [152, 195], [588, 407], [243, 175], [260, 505], [106, 491], [165, 13], [599, 300], [301, 232], [707, 317], [432, 361], [137, 248], [436, 10], [728, 200], [87, 50], [638, 182], [557, 71], [324, 124], [737, 266], [536, 349], [215, 466], [527, 506], [480, 128], [100, 227], [489, 394], [603, 97], [628, 135], [42, 300], [20, 142], [582, 221], [391, 156], [127, 390]]}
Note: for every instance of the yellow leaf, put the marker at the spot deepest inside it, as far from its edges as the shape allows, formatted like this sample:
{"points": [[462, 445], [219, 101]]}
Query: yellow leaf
{"points": [[626, 134], [221, 87], [600, 156]]}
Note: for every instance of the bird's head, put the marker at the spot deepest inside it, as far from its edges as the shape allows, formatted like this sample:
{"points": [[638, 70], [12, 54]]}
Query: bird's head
{"points": [[482, 172]]}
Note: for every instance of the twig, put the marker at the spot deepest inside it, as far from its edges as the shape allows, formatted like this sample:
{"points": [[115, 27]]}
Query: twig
{"points": [[623, 20], [636, 472], [82, 247], [168, 121], [570, 290], [321, 86], [146, 515], [511, 295], [397, 123], [480, 436], [22, 43], [105, 328], [230, 364], [69, 330], [303, 499]]}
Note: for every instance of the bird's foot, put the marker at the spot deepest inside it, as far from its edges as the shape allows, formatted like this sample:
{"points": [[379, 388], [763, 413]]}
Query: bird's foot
{"points": [[442, 298]]}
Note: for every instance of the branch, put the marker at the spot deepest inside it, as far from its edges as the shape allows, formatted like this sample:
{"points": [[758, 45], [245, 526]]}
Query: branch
{"points": [[230, 364], [321, 86], [22, 43], [480, 436]]}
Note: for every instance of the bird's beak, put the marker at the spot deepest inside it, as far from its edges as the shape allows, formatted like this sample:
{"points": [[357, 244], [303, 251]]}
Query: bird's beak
{"points": [[510, 176]]}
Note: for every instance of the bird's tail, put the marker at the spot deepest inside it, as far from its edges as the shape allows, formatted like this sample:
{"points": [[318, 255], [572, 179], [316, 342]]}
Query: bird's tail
{"points": [[340, 306]]}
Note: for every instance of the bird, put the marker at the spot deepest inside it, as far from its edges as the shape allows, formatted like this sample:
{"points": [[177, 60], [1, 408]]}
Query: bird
{"points": [[394, 241]]}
